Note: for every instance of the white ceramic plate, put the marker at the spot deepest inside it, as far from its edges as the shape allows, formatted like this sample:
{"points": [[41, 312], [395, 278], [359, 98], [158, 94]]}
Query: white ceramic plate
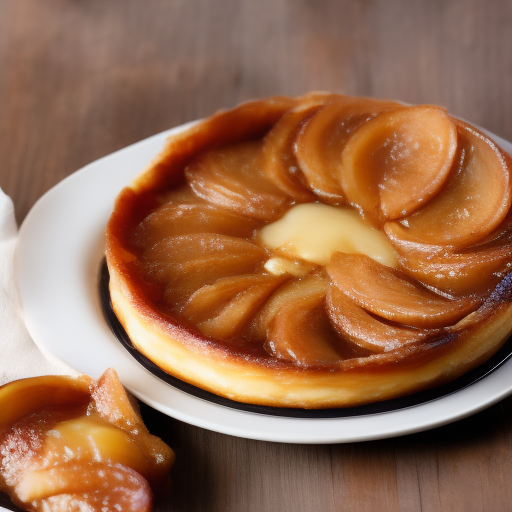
{"points": [[57, 263]]}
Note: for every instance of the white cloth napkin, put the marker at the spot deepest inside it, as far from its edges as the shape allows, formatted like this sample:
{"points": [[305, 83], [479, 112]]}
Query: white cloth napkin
{"points": [[19, 355]]}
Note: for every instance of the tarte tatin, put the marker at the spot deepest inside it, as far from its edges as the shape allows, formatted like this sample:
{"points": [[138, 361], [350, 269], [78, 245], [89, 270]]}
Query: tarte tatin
{"points": [[317, 252]]}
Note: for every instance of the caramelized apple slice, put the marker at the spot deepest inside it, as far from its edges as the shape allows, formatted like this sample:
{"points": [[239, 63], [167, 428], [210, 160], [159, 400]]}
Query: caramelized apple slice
{"points": [[323, 136], [92, 438], [185, 263], [182, 219], [233, 177], [312, 284], [222, 309], [365, 330], [475, 271], [21, 397], [280, 162], [471, 205], [83, 486], [390, 294], [114, 404], [398, 161], [180, 195], [300, 331]]}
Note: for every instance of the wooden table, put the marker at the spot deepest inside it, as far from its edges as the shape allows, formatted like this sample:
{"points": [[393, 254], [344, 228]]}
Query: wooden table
{"points": [[82, 78]]}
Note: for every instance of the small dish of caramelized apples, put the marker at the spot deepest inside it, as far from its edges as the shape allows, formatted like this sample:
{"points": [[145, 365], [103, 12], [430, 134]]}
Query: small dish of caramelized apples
{"points": [[78, 444]]}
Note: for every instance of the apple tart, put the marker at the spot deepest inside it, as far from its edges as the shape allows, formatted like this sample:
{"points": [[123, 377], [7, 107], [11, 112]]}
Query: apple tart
{"points": [[317, 252]]}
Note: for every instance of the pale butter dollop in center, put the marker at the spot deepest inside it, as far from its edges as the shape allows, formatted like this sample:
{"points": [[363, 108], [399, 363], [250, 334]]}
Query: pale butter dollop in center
{"points": [[313, 232]]}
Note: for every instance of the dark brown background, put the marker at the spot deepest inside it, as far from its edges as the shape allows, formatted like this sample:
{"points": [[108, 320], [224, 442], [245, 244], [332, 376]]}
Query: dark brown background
{"points": [[82, 78]]}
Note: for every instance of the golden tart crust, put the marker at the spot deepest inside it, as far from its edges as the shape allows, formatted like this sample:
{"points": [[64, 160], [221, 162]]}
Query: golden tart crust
{"points": [[195, 285]]}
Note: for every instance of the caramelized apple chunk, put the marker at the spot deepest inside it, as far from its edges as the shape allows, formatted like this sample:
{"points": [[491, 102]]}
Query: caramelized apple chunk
{"points": [[83, 447], [77, 486], [173, 219], [121, 409], [22, 397]]}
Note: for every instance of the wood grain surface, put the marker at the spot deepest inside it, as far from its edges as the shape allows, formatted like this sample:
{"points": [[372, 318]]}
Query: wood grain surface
{"points": [[82, 78]]}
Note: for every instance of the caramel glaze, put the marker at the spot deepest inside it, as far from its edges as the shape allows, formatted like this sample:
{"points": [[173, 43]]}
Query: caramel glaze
{"points": [[143, 295]]}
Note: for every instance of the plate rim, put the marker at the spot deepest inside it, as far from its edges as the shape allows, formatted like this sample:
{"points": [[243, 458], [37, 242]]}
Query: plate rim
{"points": [[50, 331]]}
